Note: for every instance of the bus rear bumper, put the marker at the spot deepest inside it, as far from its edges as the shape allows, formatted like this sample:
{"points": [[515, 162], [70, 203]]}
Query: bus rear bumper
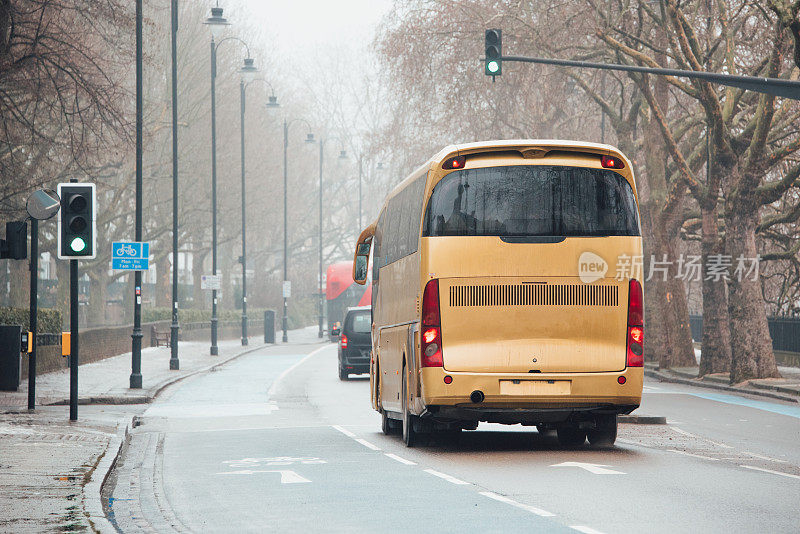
{"points": [[522, 398]]}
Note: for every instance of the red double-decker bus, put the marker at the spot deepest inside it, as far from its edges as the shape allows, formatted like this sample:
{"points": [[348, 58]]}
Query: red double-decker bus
{"points": [[341, 292]]}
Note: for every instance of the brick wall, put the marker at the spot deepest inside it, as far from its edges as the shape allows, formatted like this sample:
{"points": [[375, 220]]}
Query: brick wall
{"points": [[100, 343]]}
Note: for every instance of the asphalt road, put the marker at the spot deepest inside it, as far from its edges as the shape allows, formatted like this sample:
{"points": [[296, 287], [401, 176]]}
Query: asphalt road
{"points": [[275, 442]]}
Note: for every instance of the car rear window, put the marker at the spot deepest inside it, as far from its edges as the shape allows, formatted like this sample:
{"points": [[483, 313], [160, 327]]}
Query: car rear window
{"points": [[532, 200], [360, 322]]}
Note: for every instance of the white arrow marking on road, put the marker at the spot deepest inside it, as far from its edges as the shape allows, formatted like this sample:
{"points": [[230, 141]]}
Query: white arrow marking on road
{"points": [[597, 469], [287, 477]]}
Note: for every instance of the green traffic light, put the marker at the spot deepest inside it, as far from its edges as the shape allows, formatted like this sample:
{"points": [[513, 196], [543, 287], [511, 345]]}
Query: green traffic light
{"points": [[492, 66], [77, 244]]}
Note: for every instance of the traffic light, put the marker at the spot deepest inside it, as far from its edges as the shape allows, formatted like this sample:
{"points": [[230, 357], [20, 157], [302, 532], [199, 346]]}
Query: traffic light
{"points": [[494, 53], [77, 229], [15, 245]]}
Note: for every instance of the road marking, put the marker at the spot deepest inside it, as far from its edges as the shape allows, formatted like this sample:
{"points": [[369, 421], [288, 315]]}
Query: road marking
{"points": [[367, 444], [693, 455], [754, 455], [287, 477], [344, 431], [283, 375], [770, 471], [529, 508], [448, 478], [584, 529], [398, 459], [597, 469], [685, 433], [719, 444]]}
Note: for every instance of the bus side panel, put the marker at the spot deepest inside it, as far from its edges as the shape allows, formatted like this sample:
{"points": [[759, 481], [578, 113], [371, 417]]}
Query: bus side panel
{"points": [[395, 311]]}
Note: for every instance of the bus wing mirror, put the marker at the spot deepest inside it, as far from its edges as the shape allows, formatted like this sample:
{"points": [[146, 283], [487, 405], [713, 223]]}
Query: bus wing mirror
{"points": [[361, 259]]}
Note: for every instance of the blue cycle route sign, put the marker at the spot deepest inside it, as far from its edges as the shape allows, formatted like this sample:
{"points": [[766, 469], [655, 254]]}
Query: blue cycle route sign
{"points": [[132, 256]]}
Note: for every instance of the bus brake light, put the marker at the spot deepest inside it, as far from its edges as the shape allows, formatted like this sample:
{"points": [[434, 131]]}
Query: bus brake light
{"points": [[431, 326], [610, 162]]}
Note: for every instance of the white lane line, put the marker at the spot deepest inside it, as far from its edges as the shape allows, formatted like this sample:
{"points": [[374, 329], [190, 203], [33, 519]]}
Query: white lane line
{"points": [[398, 459], [344, 431], [367, 444], [754, 455], [585, 529], [283, 375], [448, 478], [722, 445], [693, 455], [685, 433], [529, 508], [770, 471]]}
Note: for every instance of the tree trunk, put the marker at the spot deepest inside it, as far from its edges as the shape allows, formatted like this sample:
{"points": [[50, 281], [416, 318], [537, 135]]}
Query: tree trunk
{"points": [[751, 344], [163, 294], [96, 314], [199, 296], [716, 346], [19, 283]]}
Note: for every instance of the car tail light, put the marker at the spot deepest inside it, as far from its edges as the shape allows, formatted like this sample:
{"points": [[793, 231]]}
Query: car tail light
{"points": [[635, 338], [456, 162], [343, 341], [611, 162], [431, 326]]}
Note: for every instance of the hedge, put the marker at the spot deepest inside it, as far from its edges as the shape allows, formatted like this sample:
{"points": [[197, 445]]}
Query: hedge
{"points": [[49, 319], [151, 315]]}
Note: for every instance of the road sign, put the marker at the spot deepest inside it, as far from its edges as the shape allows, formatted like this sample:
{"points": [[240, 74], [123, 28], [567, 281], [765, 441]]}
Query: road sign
{"points": [[130, 256], [287, 289], [210, 281]]}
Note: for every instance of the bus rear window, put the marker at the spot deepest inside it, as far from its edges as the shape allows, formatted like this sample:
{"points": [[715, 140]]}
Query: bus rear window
{"points": [[532, 200]]}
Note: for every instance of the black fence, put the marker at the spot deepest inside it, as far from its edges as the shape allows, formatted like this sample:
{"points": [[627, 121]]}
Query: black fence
{"points": [[785, 332]]}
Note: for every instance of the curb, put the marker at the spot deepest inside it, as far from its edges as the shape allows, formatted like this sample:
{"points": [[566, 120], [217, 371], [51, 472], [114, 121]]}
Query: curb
{"points": [[92, 490], [642, 419], [157, 389], [662, 377]]}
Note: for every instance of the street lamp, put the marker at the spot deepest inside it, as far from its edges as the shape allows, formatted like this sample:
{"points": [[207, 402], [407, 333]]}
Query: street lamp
{"points": [[309, 140], [174, 362], [342, 155], [217, 23], [248, 74]]}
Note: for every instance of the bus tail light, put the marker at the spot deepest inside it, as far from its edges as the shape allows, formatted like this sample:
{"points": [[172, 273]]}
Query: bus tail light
{"points": [[456, 162], [635, 337], [343, 341], [431, 326], [610, 162]]}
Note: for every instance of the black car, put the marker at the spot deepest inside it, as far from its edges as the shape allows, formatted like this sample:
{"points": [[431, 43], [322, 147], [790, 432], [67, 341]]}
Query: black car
{"points": [[355, 342]]}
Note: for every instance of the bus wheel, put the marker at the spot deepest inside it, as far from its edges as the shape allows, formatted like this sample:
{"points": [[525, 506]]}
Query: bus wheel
{"points": [[605, 432], [570, 436], [389, 426], [410, 435]]}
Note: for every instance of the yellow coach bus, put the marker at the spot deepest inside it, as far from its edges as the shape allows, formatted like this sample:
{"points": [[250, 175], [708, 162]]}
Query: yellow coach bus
{"points": [[503, 292]]}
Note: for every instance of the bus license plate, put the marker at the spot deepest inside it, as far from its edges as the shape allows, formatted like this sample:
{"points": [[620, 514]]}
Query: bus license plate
{"points": [[535, 387]]}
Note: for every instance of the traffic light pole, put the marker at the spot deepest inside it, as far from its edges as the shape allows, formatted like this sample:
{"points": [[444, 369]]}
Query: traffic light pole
{"points": [[73, 348], [319, 296], [771, 86], [136, 336], [33, 323]]}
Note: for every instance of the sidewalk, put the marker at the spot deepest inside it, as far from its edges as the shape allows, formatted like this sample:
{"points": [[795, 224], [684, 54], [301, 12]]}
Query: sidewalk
{"points": [[107, 381], [51, 469], [786, 388]]}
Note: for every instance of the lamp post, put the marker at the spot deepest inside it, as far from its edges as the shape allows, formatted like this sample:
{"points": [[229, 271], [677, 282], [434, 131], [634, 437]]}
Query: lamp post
{"points": [[309, 140], [174, 363], [248, 74], [342, 155], [135, 379], [216, 23]]}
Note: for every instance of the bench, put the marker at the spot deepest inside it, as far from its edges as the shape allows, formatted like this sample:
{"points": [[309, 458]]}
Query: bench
{"points": [[160, 338]]}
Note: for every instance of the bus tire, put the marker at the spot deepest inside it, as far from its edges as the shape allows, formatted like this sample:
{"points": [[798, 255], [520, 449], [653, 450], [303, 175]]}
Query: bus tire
{"points": [[410, 435], [605, 432], [570, 436]]}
